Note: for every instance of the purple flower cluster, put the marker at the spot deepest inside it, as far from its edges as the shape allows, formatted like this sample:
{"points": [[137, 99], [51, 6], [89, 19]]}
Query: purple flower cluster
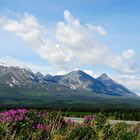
{"points": [[42, 127], [88, 120], [70, 122], [13, 115]]}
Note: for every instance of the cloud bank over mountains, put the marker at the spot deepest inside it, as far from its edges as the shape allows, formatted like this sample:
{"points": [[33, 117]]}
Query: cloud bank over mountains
{"points": [[74, 45], [132, 82]]}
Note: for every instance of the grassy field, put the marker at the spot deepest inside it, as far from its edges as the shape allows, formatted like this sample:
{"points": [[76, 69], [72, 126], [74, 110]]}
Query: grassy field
{"points": [[34, 124]]}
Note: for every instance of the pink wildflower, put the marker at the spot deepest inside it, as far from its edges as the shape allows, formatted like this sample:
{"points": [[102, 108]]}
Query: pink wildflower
{"points": [[13, 115], [42, 127], [70, 122]]}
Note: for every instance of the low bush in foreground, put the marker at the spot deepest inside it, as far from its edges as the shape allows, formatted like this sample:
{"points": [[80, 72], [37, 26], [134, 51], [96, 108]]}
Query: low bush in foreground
{"points": [[22, 124]]}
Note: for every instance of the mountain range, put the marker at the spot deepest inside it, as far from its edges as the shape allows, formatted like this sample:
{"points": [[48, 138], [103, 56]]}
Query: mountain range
{"points": [[74, 81], [76, 90]]}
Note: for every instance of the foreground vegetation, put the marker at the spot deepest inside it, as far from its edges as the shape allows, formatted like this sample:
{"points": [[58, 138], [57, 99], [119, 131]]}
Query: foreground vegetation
{"points": [[116, 115], [23, 124]]}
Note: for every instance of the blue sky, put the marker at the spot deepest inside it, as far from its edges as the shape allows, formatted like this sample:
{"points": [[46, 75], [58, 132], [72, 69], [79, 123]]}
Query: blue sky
{"points": [[110, 23]]}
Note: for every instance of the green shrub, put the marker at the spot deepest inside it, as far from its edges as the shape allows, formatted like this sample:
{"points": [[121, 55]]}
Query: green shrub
{"points": [[4, 130], [83, 133], [108, 132], [100, 121], [122, 132]]}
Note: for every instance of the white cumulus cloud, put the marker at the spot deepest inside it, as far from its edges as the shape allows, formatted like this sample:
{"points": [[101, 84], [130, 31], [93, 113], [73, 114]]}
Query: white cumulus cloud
{"points": [[29, 29], [124, 62], [78, 43], [73, 47], [99, 29]]}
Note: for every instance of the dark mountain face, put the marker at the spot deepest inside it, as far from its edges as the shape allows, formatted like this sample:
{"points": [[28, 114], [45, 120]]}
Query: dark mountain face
{"points": [[52, 79], [39, 75], [79, 80], [71, 82], [113, 87]]}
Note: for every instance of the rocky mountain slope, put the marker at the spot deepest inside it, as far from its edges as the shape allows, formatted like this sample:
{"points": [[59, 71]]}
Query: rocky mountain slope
{"points": [[74, 81], [79, 80]]}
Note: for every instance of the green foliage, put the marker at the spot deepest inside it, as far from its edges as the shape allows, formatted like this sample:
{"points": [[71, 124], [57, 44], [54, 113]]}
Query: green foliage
{"points": [[100, 121], [83, 133], [55, 122], [4, 130], [43, 125], [108, 132], [122, 132], [115, 115]]}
